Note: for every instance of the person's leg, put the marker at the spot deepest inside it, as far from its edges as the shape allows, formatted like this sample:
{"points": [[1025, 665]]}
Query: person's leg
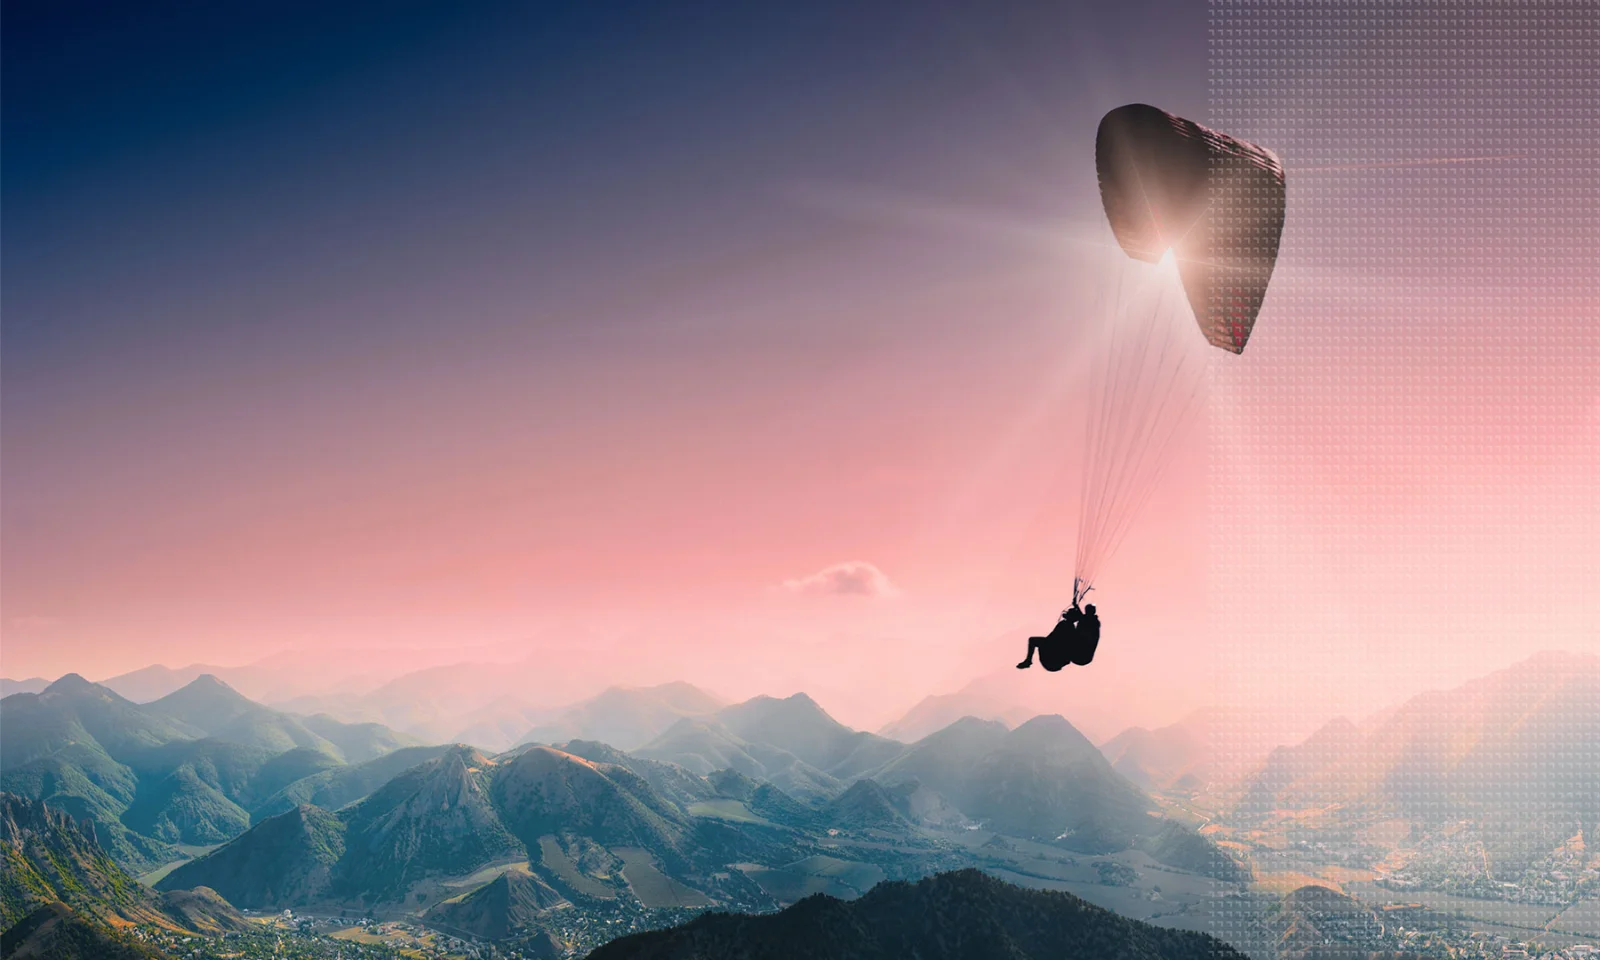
{"points": [[1033, 644]]}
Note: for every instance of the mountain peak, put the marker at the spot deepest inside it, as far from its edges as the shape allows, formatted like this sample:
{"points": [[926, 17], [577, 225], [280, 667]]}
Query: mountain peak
{"points": [[209, 686], [1563, 661], [1051, 725], [792, 709], [866, 805], [1052, 735], [970, 722], [71, 684]]}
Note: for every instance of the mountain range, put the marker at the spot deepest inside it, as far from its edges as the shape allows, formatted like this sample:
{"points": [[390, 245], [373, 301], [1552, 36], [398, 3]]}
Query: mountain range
{"points": [[9, 686], [966, 914], [465, 703], [748, 806], [595, 824], [1520, 744], [188, 768], [569, 819]]}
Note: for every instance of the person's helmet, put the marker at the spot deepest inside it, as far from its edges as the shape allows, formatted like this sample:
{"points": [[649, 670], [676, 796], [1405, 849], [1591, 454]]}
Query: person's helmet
{"points": [[1089, 608], [1065, 614]]}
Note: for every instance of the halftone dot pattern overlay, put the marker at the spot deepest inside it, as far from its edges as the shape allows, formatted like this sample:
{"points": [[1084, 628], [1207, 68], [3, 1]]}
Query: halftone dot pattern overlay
{"points": [[1404, 491]]}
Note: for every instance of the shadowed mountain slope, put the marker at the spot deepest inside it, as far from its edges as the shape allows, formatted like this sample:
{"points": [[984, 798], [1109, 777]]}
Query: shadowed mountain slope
{"points": [[55, 931], [966, 914], [333, 788], [1043, 780], [503, 908]]}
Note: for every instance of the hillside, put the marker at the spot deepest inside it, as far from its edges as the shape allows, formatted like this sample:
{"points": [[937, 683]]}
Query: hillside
{"points": [[934, 713], [47, 857], [1267, 787], [431, 820], [1174, 756], [286, 859], [333, 788], [508, 906], [668, 779], [791, 743], [798, 726], [865, 806], [55, 931], [545, 792], [1316, 923], [1042, 780], [50, 858], [705, 746], [965, 914], [434, 819]]}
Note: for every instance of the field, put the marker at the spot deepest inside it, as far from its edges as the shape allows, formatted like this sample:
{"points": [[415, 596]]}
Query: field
{"points": [[723, 808], [786, 886], [486, 874], [1582, 919], [191, 853], [1524, 916], [418, 944], [651, 886], [844, 879], [553, 857]]}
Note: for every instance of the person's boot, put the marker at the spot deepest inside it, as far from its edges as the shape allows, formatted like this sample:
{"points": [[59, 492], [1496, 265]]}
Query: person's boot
{"points": [[1025, 664]]}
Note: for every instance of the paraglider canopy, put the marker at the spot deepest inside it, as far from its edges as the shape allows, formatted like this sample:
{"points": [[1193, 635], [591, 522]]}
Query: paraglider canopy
{"points": [[1216, 201], [1175, 194]]}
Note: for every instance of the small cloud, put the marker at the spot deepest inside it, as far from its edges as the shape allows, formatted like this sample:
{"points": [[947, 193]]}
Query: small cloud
{"points": [[853, 578]]}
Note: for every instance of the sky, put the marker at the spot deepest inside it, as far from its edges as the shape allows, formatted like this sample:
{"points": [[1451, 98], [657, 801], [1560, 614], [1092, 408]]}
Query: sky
{"points": [[749, 344]]}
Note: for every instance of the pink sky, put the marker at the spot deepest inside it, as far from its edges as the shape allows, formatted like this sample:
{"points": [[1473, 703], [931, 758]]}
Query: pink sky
{"points": [[630, 410]]}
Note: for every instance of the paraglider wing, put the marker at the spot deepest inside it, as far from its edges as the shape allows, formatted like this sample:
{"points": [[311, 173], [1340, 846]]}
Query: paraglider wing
{"points": [[1215, 200]]}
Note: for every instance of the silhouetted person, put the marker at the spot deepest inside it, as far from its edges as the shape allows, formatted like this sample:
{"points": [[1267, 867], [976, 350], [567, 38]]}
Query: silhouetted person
{"points": [[1055, 650], [1085, 638]]}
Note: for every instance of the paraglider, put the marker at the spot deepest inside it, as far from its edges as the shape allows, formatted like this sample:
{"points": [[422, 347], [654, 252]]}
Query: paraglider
{"points": [[1175, 194], [1073, 640], [1055, 648]]}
